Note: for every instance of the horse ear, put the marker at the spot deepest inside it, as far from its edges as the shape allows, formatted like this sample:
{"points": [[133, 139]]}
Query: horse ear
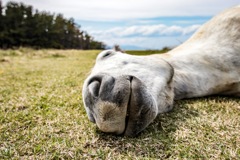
{"points": [[117, 48]]}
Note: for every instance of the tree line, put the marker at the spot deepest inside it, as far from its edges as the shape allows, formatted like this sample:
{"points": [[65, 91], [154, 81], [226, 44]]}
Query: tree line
{"points": [[22, 26]]}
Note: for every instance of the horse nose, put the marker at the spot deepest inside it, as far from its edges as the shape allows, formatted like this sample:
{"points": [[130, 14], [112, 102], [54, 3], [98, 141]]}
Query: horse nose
{"points": [[100, 83]]}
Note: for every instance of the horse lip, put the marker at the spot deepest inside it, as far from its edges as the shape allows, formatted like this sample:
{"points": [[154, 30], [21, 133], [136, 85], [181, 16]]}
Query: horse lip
{"points": [[128, 106]]}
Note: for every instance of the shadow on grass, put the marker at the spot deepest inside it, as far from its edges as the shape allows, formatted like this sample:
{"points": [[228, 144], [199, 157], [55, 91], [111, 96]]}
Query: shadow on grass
{"points": [[158, 140]]}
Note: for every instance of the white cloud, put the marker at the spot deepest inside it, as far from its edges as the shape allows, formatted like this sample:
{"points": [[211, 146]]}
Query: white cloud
{"points": [[145, 31], [145, 36], [130, 9]]}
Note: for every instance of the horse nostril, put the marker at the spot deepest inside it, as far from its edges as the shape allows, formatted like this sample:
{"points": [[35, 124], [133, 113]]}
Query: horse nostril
{"points": [[94, 88], [100, 84], [94, 85]]}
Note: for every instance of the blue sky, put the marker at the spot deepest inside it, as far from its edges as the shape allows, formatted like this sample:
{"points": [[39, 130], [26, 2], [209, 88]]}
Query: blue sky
{"points": [[145, 33], [137, 24]]}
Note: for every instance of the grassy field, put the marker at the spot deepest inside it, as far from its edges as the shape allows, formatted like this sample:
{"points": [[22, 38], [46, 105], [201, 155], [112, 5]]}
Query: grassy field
{"points": [[42, 116]]}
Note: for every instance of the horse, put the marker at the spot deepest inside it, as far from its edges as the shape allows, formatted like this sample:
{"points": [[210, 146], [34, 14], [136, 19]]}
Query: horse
{"points": [[124, 93]]}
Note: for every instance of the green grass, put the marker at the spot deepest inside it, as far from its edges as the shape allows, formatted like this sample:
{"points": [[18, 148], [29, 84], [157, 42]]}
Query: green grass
{"points": [[147, 52], [42, 116]]}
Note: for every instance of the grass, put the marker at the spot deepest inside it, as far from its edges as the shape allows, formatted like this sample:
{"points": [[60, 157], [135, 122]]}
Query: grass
{"points": [[147, 52], [42, 116]]}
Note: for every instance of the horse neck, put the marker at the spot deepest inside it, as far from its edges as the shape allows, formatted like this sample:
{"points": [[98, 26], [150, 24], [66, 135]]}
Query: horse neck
{"points": [[201, 63], [194, 75]]}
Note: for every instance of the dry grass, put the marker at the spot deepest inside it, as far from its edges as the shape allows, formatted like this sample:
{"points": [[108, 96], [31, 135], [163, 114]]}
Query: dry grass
{"points": [[42, 116]]}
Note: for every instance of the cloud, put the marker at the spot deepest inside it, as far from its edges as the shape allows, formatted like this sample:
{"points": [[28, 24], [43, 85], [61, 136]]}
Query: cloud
{"points": [[145, 36], [145, 31]]}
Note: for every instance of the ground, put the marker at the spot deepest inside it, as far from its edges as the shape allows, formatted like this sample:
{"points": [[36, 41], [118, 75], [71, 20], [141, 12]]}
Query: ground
{"points": [[42, 116]]}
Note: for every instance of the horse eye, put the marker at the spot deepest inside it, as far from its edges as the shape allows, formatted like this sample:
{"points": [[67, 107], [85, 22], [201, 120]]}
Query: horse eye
{"points": [[107, 54]]}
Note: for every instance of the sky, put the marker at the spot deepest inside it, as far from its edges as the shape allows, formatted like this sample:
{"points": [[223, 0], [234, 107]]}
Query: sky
{"points": [[136, 24]]}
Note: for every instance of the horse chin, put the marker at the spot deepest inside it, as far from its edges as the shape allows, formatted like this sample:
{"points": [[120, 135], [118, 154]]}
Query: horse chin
{"points": [[142, 109]]}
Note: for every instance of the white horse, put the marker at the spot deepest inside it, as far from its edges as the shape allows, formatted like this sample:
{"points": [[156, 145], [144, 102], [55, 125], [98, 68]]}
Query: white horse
{"points": [[124, 93]]}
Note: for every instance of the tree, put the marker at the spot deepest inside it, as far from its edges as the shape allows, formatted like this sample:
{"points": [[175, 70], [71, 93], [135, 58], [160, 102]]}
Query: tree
{"points": [[1, 25], [22, 26]]}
